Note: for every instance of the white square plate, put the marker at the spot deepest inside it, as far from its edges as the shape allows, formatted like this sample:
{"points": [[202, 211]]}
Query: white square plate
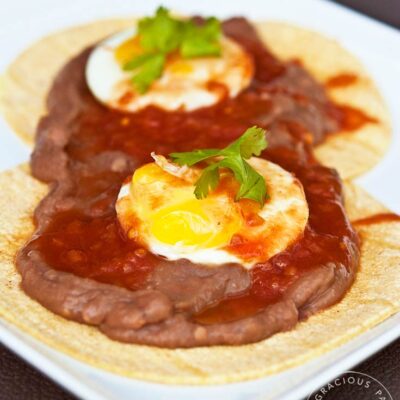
{"points": [[377, 45]]}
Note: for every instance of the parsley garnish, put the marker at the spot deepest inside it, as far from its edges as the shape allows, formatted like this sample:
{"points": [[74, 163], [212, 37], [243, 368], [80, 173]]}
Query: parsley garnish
{"points": [[232, 157], [161, 35]]}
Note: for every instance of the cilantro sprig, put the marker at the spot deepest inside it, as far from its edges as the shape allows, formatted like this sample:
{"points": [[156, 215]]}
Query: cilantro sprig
{"points": [[161, 35], [232, 157]]}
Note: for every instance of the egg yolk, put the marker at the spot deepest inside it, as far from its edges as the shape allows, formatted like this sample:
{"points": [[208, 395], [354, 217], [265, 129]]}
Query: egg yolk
{"points": [[170, 213], [127, 50], [180, 67], [191, 224]]}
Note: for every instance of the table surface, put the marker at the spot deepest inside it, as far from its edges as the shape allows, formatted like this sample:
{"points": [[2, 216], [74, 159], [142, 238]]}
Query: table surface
{"points": [[18, 380]]}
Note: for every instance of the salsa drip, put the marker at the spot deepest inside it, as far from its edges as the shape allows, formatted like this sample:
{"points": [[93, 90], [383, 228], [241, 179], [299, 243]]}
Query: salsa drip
{"points": [[80, 233]]}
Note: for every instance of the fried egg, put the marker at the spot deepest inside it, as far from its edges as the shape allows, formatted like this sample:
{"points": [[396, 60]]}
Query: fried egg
{"points": [[185, 83], [158, 210]]}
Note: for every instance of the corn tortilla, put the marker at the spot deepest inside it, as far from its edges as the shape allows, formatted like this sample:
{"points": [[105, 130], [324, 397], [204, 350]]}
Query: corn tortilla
{"points": [[373, 298], [351, 153], [27, 80]]}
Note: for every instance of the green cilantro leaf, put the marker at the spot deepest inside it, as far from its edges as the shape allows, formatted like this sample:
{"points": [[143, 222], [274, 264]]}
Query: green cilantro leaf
{"points": [[161, 32], [201, 40], [162, 35], [149, 71], [208, 180], [232, 157], [137, 61], [252, 142], [199, 47], [193, 157], [253, 187], [252, 184]]}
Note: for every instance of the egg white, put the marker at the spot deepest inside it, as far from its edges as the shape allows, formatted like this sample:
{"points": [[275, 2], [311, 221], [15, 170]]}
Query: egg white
{"points": [[287, 207], [173, 90]]}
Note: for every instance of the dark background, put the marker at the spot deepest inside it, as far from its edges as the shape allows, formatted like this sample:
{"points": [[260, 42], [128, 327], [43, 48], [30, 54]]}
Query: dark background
{"points": [[387, 11], [20, 381]]}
